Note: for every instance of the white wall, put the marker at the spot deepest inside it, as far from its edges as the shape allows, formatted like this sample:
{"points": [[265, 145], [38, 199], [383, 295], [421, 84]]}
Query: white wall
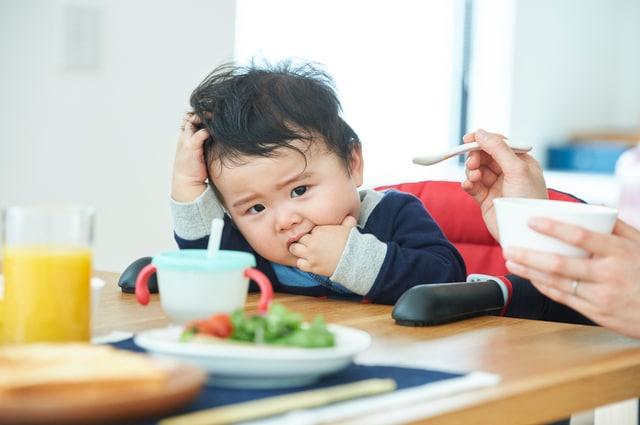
{"points": [[104, 136], [576, 68], [570, 66]]}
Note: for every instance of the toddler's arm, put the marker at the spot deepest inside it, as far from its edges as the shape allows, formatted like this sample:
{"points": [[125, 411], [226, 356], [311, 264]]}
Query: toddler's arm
{"points": [[189, 168], [193, 204]]}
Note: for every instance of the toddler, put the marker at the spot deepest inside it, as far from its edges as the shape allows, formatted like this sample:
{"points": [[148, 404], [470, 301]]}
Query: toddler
{"points": [[266, 148]]}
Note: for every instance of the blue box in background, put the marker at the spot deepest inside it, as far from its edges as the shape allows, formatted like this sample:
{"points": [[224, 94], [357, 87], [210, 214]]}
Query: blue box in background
{"points": [[589, 157]]}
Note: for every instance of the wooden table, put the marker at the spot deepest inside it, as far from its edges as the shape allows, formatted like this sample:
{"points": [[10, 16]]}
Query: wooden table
{"points": [[549, 370]]}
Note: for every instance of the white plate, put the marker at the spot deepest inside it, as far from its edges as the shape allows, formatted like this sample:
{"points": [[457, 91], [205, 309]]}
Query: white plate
{"points": [[244, 365]]}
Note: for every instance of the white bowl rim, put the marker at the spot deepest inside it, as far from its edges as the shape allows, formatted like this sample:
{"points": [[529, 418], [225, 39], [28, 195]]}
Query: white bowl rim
{"points": [[537, 202]]}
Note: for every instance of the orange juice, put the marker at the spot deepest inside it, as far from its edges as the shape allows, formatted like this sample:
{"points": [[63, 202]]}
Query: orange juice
{"points": [[47, 290]]}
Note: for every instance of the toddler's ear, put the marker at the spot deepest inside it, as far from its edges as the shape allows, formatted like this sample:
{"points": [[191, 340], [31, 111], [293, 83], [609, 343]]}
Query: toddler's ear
{"points": [[356, 165]]}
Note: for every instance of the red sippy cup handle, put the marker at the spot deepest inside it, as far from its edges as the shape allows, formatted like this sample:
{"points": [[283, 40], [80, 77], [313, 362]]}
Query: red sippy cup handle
{"points": [[266, 290], [142, 284]]}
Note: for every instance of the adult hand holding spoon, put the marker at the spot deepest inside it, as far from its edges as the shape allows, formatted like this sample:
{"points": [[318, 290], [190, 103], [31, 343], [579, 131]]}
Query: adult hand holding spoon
{"points": [[462, 149]]}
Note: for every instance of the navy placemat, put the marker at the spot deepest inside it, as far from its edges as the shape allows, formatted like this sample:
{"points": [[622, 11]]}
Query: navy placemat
{"points": [[215, 396]]}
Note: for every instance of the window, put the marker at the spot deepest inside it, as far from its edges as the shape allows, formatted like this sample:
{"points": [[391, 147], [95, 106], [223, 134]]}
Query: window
{"points": [[397, 66], [489, 77]]}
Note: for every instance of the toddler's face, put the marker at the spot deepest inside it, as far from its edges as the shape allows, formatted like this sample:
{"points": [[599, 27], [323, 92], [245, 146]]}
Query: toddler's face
{"points": [[275, 201]]}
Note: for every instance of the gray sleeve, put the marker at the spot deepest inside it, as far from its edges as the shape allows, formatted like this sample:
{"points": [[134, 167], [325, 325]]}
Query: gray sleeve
{"points": [[192, 220], [360, 262]]}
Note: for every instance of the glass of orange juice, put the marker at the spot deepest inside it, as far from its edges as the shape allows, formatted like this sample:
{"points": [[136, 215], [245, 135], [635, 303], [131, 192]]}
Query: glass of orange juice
{"points": [[47, 251]]}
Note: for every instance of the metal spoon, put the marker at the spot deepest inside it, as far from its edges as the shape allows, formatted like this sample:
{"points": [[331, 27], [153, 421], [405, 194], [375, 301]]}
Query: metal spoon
{"points": [[462, 149]]}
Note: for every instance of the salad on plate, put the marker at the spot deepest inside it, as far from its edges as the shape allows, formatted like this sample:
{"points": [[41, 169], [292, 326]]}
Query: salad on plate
{"points": [[279, 327]]}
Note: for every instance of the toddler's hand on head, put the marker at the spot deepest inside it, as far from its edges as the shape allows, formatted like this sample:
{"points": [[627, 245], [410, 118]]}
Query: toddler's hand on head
{"points": [[189, 168], [319, 252]]}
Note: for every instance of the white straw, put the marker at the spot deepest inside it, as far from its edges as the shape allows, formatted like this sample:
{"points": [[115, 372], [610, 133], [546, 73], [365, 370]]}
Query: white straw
{"points": [[214, 237]]}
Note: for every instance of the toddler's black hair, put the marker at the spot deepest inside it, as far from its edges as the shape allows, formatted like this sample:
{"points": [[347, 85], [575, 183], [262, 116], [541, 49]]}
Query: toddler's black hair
{"points": [[253, 110]]}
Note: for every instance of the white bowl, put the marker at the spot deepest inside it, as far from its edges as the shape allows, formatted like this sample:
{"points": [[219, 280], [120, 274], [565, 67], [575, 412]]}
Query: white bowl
{"points": [[513, 214], [96, 289]]}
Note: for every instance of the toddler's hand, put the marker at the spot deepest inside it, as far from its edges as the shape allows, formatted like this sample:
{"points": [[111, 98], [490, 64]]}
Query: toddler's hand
{"points": [[319, 252], [189, 168]]}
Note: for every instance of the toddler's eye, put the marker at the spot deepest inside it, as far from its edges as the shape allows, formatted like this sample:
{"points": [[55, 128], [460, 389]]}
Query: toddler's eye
{"points": [[298, 191], [256, 209]]}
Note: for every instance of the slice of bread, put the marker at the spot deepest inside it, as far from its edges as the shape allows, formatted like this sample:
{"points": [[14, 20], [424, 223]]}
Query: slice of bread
{"points": [[81, 369]]}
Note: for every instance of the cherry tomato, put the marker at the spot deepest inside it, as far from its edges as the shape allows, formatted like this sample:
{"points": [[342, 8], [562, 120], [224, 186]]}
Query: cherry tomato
{"points": [[219, 325]]}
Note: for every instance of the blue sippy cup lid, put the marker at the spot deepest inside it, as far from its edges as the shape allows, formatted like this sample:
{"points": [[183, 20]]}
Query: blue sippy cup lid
{"points": [[197, 260]]}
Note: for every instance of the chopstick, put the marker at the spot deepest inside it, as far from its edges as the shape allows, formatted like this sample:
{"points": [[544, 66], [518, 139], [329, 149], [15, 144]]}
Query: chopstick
{"points": [[269, 406]]}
